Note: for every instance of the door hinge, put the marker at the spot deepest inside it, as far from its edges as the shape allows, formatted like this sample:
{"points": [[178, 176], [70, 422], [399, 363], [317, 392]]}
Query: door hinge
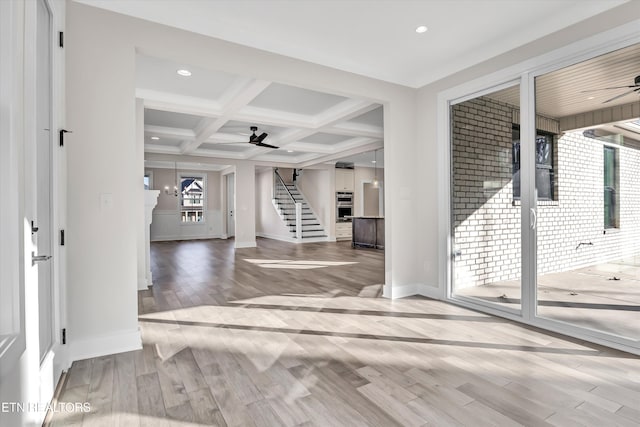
{"points": [[61, 38], [62, 132], [61, 237], [34, 227], [64, 335]]}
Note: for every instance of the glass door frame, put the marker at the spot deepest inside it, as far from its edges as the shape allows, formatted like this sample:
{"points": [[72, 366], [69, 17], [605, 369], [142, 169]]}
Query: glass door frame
{"points": [[500, 310], [525, 74]]}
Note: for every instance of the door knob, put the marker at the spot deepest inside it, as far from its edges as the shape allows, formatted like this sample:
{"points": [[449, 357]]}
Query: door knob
{"points": [[38, 258]]}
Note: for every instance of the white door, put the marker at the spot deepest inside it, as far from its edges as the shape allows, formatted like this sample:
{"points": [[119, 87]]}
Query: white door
{"points": [[43, 148], [231, 205]]}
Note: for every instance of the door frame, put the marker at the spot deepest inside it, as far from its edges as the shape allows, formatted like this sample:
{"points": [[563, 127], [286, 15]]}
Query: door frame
{"points": [[56, 359], [226, 177], [360, 211], [524, 73]]}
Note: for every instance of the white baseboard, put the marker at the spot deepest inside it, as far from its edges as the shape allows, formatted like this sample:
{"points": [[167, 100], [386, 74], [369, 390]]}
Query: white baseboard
{"points": [[293, 240], [429, 291], [142, 284], [393, 292], [276, 237], [105, 344], [194, 237], [249, 244]]}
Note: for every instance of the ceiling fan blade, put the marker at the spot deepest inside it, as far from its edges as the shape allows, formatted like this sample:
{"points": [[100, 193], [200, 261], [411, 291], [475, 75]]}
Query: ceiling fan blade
{"points": [[620, 96], [608, 88], [262, 144], [260, 138]]}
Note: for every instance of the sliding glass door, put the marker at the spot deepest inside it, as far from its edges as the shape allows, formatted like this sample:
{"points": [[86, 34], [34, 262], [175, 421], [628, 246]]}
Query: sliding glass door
{"points": [[485, 199], [588, 195], [545, 199]]}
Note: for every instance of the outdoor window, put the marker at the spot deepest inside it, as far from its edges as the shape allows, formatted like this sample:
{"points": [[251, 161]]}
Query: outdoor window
{"points": [[544, 164], [147, 182], [611, 179], [192, 199]]}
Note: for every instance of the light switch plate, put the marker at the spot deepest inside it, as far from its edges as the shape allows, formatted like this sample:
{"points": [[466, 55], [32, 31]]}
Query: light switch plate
{"points": [[106, 201]]}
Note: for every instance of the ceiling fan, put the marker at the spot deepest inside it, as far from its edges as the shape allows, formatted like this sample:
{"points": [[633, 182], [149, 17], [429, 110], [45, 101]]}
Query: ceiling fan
{"points": [[635, 87], [255, 139]]}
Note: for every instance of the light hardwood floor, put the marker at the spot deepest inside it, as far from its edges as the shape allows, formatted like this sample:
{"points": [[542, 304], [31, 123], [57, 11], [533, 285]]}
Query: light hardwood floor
{"points": [[297, 335]]}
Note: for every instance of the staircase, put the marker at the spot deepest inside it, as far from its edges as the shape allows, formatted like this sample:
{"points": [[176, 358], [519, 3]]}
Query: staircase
{"points": [[286, 196]]}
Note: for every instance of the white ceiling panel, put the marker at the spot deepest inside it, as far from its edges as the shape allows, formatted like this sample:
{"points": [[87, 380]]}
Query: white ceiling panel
{"points": [[235, 148], [170, 119], [375, 38], [295, 100], [325, 138], [165, 142], [161, 75], [242, 128], [373, 118]]}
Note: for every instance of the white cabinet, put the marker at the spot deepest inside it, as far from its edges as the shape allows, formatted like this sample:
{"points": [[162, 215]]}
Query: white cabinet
{"points": [[343, 231], [344, 180]]}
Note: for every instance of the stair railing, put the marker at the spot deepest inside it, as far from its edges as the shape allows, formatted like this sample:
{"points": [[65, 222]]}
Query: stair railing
{"points": [[279, 183]]}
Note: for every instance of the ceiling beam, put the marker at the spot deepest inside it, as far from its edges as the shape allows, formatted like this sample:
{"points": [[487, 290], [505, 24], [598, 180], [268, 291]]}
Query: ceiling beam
{"points": [[168, 132], [166, 101]]}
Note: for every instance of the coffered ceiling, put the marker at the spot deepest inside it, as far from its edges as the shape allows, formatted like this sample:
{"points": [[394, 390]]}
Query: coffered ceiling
{"points": [[209, 114]]}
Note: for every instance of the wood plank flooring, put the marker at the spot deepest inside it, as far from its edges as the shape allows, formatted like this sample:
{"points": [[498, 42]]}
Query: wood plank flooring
{"points": [[297, 335]]}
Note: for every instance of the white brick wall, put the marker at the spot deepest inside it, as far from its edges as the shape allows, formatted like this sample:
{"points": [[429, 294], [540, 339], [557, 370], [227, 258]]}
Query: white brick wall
{"points": [[487, 222]]}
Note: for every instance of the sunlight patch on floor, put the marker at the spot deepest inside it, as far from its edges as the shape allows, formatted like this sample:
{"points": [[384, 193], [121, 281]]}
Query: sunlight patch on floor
{"points": [[295, 264]]}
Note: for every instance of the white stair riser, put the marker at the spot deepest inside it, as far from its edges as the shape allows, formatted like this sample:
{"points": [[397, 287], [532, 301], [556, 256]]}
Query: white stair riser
{"points": [[311, 227]]}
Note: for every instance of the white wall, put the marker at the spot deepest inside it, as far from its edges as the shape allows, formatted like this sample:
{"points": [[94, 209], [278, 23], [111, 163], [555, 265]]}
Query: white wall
{"points": [[245, 212], [268, 222], [103, 181], [320, 194], [166, 223]]}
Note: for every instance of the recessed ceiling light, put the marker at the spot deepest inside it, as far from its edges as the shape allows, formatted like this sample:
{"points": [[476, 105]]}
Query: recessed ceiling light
{"points": [[184, 73], [373, 161], [591, 97], [155, 138], [289, 151], [421, 29]]}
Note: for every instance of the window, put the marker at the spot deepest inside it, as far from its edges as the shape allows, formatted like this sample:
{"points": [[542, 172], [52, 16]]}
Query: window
{"points": [[147, 181], [544, 164], [611, 179], [192, 199]]}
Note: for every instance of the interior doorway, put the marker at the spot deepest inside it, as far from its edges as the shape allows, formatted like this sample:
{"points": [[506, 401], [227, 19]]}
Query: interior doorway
{"points": [[372, 199], [230, 203]]}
